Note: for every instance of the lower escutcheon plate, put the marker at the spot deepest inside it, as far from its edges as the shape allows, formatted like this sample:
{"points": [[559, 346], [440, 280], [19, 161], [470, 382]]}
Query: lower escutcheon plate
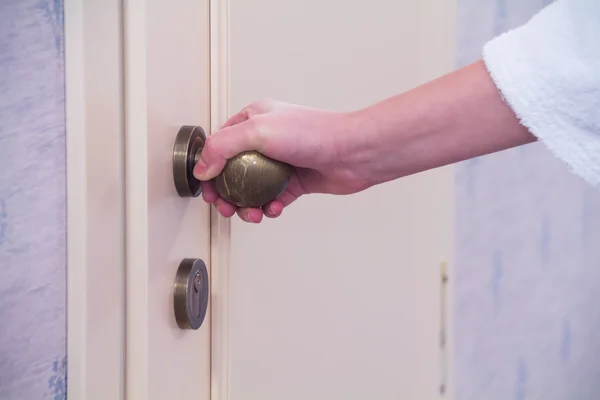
{"points": [[190, 295]]}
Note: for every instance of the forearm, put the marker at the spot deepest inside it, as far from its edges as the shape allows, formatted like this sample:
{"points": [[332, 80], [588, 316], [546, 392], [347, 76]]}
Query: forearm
{"points": [[456, 117]]}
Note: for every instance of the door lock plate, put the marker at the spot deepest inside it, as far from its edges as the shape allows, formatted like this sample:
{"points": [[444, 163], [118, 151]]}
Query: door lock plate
{"points": [[191, 293]]}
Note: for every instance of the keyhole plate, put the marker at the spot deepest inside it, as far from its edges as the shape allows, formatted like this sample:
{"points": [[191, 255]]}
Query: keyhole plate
{"points": [[191, 293]]}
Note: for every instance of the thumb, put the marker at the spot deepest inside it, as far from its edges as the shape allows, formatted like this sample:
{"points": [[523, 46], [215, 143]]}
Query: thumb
{"points": [[223, 145]]}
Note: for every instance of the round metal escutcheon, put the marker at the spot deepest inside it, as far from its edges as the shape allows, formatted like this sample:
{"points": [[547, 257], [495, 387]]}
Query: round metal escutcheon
{"points": [[186, 150], [191, 293]]}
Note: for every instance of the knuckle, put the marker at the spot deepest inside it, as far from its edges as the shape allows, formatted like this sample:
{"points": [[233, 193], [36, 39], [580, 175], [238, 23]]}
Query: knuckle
{"points": [[261, 106], [258, 131]]}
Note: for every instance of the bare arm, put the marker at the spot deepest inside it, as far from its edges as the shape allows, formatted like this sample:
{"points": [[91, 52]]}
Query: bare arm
{"points": [[546, 70], [453, 118], [456, 117]]}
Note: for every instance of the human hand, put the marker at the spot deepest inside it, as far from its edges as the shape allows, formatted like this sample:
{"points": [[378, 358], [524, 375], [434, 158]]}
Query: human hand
{"points": [[453, 118], [321, 145]]}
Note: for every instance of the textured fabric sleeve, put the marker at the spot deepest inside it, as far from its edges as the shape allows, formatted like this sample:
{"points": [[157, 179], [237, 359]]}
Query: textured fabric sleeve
{"points": [[548, 71]]}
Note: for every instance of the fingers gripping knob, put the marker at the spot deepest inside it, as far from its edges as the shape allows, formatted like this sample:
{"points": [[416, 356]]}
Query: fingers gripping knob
{"points": [[250, 179]]}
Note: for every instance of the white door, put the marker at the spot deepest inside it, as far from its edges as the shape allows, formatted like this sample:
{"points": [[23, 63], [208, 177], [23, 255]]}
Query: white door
{"points": [[340, 297]]}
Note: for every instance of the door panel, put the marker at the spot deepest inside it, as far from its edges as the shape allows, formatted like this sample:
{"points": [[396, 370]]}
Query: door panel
{"points": [[340, 297], [166, 86]]}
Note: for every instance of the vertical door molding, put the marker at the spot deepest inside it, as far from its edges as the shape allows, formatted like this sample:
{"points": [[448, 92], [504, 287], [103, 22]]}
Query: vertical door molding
{"points": [[167, 85], [95, 199], [220, 227]]}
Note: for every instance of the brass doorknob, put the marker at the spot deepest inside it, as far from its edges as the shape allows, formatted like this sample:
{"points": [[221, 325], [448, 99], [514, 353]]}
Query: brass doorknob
{"points": [[249, 179]]}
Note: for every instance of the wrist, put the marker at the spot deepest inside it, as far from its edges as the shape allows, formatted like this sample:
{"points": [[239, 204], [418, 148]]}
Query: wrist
{"points": [[381, 137]]}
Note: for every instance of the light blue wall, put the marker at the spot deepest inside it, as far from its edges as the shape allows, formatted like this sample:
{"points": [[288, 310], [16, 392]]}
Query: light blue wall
{"points": [[527, 284], [32, 201]]}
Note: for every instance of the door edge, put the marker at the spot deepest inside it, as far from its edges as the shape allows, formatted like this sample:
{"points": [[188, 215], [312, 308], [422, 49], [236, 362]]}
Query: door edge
{"points": [[220, 226]]}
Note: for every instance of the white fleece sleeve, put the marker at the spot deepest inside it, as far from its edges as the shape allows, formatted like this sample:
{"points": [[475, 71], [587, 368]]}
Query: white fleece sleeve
{"points": [[548, 71]]}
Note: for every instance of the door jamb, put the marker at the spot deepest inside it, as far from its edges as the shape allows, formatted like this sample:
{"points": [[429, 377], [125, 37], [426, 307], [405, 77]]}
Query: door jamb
{"points": [[95, 199], [220, 226]]}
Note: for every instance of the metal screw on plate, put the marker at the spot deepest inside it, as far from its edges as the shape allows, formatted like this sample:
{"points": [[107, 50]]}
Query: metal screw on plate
{"points": [[190, 296]]}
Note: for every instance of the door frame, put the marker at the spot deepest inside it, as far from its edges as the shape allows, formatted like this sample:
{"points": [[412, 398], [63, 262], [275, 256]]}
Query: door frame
{"points": [[95, 199], [220, 67], [95, 132]]}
